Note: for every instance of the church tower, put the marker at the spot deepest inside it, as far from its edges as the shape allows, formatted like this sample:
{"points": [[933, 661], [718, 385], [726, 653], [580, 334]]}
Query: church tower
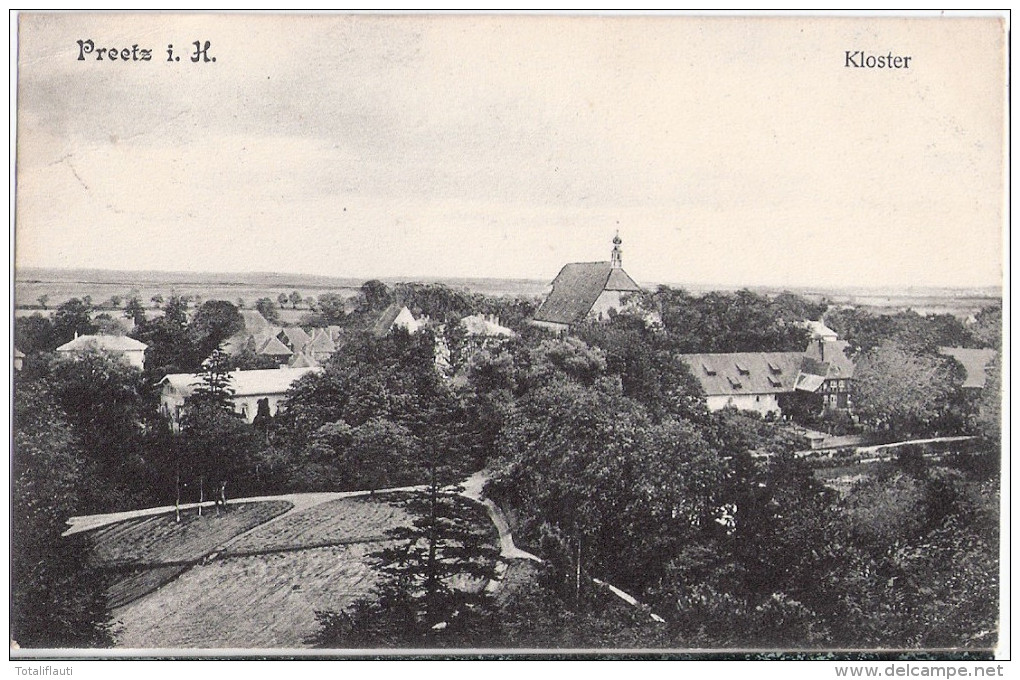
{"points": [[617, 260]]}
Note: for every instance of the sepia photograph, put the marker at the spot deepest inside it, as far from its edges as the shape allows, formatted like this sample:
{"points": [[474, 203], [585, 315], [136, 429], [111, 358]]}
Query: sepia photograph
{"points": [[505, 336]]}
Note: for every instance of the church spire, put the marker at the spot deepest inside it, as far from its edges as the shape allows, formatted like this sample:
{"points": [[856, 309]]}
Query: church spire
{"points": [[617, 252]]}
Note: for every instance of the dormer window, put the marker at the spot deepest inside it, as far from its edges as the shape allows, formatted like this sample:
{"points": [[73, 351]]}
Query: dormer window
{"points": [[708, 369], [734, 383], [741, 368], [775, 382], [775, 369]]}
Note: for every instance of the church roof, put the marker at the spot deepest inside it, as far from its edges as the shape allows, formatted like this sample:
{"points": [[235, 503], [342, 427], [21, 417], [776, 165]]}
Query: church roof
{"points": [[578, 286]]}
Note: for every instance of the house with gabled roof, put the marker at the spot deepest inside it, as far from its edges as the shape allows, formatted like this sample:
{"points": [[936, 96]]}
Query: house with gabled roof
{"points": [[293, 337], [586, 291], [129, 348], [396, 316], [758, 381], [271, 346], [825, 360], [249, 388], [321, 346]]}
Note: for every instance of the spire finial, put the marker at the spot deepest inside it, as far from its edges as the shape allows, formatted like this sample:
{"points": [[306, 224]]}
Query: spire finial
{"points": [[617, 260]]}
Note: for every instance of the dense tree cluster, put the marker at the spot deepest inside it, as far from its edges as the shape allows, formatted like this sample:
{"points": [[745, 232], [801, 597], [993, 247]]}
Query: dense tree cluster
{"points": [[57, 600], [597, 444]]}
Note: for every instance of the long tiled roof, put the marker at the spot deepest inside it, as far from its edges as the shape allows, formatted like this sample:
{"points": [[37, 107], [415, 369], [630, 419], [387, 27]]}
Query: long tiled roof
{"points": [[244, 383], [576, 288], [745, 372]]}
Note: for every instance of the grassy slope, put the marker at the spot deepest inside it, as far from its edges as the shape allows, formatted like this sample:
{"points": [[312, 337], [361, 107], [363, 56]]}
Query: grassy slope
{"points": [[243, 599]]}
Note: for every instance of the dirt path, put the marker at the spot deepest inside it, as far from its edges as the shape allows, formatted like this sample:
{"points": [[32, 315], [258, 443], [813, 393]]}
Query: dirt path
{"points": [[507, 550], [300, 501]]}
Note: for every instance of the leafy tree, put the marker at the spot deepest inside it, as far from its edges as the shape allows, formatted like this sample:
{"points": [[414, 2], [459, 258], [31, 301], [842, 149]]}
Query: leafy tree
{"points": [[901, 391], [215, 386], [295, 299], [267, 309], [240, 303], [175, 310], [721, 322], [621, 491], [213, 323], [172, 347], [42, 300], [102, 397], [987, 327], [374, 296], [106, 325], [310, 303], [134, 310], [332, 308], [35, 334], [57, 601], [374, 455], [216, 445], [282, 299], [157, 300], [72, 317], [115, 301]]}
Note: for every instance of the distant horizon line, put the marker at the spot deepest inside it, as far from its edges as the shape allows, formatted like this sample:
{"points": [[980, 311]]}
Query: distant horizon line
{"points": [[407, 278]]}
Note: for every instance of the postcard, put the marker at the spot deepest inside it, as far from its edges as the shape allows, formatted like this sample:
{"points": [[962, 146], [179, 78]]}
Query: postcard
{"points": [[509, 336]]}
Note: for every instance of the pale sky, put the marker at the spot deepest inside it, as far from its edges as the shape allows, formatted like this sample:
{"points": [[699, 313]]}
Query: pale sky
{"points": [[725, 150]]}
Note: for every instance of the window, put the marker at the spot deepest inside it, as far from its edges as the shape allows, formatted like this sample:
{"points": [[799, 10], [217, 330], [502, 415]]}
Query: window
{"points": [[741, 368], [708, 369], [775, 369], [775, 382], [734, 383]]}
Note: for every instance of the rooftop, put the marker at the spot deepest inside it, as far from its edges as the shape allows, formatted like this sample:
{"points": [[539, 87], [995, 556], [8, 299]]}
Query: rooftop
{"points": [[576, 288], [244, 383], [111, 343]]}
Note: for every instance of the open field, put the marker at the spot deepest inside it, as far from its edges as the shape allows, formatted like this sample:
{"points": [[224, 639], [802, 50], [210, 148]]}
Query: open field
{"points": [[261, 601], [61, 285], [341, 521]]}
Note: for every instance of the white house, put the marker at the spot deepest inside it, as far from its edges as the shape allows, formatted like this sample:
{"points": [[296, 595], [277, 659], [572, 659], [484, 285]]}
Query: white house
{"points": [[129, 348], [250, 387]]}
